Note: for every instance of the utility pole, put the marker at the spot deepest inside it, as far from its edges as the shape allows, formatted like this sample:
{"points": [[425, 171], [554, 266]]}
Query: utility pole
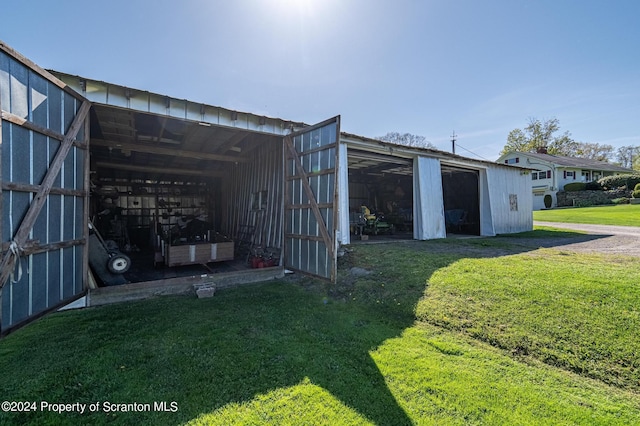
{"points": [[453, 142]]}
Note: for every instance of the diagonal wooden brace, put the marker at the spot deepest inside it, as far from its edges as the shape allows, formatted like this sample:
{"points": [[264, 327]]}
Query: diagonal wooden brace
{"points": [[20, 238], [328, 241]]}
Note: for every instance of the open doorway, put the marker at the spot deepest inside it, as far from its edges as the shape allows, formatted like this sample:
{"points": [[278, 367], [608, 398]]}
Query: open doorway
{"points": [[380, 196], [181, 198], [460, 188]]}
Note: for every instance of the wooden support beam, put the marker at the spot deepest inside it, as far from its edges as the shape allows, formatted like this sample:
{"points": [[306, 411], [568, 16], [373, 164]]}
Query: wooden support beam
{"points": [[159, 170], [233, 141], [12, 118], [34, 247], [34, 67], [173, 152], [23, 187]]}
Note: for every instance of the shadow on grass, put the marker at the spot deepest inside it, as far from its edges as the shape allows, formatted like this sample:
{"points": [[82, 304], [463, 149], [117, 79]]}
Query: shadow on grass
{"points": [[206, 354]]}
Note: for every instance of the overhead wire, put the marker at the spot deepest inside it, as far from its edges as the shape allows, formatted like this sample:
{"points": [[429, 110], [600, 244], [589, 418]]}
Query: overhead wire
{"points": [[471, 152]]}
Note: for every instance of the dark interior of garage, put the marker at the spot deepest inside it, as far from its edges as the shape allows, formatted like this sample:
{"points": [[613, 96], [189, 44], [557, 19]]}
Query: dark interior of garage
{"points": [[461, 200], [380, 195], [175, 197]]}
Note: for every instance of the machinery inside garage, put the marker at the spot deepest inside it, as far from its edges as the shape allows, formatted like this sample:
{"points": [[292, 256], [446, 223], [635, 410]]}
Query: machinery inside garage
{"points": [[165, 196], [380, 194]]}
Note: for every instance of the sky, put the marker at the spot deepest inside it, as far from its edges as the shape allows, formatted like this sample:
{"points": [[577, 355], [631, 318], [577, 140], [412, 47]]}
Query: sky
{"points": [[479, 68]]}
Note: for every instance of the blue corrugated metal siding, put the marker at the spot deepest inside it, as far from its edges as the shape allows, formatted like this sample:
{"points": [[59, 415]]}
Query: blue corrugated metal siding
{"points": [[50, 275]]}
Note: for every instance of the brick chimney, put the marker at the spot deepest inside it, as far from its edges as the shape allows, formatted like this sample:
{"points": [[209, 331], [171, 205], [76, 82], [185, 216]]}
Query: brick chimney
{"points": [[542, 150]]}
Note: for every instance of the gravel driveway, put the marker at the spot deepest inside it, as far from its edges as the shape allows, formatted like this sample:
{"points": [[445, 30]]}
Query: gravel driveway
{"points": [[600, 239]]}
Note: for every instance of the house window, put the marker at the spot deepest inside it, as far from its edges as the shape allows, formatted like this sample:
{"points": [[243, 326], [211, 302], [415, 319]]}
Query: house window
{"points": [[548, 174], [512, 160], [534, 176]]}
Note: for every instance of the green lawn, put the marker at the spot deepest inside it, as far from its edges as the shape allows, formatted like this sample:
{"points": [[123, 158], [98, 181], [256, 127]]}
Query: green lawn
{"points": [[480, 331], [620, 214]]}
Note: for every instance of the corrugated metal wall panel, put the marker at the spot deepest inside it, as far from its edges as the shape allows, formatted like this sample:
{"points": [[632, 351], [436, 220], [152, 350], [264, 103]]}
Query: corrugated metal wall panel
{"points": [[111, 94], [428, 204], [511, 201], [262, 175], [311, 189], [52, 271]]}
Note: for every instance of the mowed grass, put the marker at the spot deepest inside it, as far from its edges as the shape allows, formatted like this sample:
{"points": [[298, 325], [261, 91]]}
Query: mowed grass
{"points": [[480, 331], [620, 215]]}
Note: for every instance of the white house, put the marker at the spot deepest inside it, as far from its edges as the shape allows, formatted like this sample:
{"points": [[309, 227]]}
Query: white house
{"points": [[550, 173]]}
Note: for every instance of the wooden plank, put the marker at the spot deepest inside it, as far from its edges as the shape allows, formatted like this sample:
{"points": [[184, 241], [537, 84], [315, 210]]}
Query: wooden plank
{"points": [[8, 260], [308, 206], [233, 141], [312, 174], [314, 150], [24, 187], [34, 247], [86, 281], [311, 196], [12, 118], [159, 170], [180, 285], [172, 152], [30, 64], [53, 308], [199, 253], [304, 237]]}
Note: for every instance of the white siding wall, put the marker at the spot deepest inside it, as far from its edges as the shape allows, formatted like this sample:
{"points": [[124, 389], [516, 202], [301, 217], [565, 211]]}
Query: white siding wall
{"points": [[486, 218], [505, 186], [428, 201], [343, 236], [562, 180]]}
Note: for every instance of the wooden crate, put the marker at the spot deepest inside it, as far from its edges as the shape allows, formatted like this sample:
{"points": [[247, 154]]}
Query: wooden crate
{"points": [[189, 254]]}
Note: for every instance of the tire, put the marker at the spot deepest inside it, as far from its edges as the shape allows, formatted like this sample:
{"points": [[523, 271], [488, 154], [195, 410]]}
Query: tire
{"points": [[119, 263]]}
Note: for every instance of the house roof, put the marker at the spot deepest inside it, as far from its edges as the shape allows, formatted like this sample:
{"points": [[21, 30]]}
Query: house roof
{"points": [[575, 162]]}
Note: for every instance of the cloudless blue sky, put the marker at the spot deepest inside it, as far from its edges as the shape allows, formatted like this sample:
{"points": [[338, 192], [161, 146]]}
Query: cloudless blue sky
{"points": [[428, 67]]}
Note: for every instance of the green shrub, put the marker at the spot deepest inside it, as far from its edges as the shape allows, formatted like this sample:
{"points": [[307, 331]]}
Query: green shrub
{"points": [[593, 186], [629, 180], [621, 200], [583, 203], [636, 193], [637, 187], [548, 200], [575, 186]]}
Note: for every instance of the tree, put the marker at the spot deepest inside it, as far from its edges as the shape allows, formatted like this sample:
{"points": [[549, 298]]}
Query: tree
{"points": [[594, 151], [407, 139], [540, 134], [629, 157]]}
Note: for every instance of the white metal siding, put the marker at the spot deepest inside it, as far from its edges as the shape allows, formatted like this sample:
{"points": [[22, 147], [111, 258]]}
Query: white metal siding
{"points": [[486, 218], [344, 237], [504, 185], [428, 202]]}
